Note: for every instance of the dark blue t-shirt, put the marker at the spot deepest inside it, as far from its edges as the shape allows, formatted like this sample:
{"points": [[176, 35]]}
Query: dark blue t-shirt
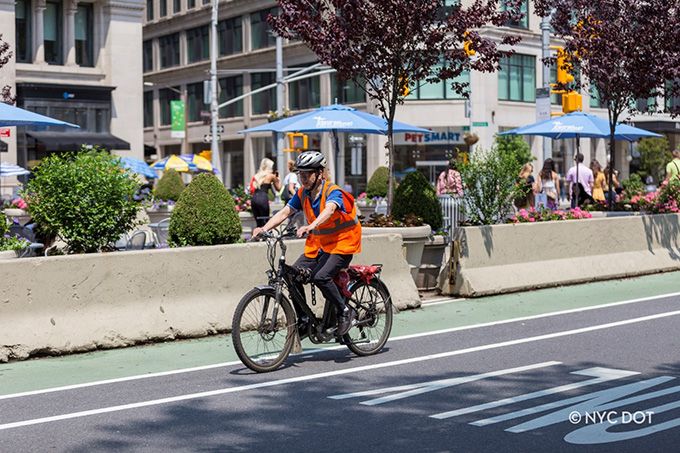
{"points": [[335, 196]]}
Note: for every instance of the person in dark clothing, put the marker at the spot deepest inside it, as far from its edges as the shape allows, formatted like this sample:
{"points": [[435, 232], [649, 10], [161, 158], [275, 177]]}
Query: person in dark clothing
{"points": [[263, 182]]}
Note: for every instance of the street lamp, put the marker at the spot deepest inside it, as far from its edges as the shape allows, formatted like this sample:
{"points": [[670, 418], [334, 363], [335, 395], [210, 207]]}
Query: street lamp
{"points": [[183, 97]]}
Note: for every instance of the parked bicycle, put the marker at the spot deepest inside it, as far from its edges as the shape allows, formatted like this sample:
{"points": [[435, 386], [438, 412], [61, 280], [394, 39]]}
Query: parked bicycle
{"points": [[269, 319]]}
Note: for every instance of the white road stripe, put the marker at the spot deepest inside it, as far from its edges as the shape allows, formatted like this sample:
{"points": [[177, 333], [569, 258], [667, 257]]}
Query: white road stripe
{"points": [[314, 351], [326, 374], [440, 302], [406, 391]]}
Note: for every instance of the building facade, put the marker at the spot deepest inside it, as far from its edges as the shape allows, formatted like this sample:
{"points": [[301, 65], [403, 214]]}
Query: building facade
{"points": [[176, 63], [78, 61]]}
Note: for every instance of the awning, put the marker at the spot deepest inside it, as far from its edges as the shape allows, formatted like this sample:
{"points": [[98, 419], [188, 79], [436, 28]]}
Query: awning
{"points": [[72, 141]]}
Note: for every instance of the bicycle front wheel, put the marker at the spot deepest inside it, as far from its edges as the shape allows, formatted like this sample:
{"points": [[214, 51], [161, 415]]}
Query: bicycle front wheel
{"points": [[373, 305], [263, 330]]}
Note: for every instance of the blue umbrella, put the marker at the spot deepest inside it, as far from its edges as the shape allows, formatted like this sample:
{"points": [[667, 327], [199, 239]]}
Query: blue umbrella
{"points": [[14, 116], [12, 170], [334, 118], [580, 125], [137, 166]]}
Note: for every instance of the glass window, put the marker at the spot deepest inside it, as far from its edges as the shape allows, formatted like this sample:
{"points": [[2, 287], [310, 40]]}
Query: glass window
{"points": [[169, 50], [176, 6], [148, 109], [163, 8], [446, 8], [304, 94], [84, 35], [191, 4], [517, 78], [595, 101], [260, 33], [147, 52], [52, 33], [346, 92], [438, 90], [102, 119], [670, 101], [195, 101], [23, 31], [231, 87], [263, 102], [198, 44], [166, 95], [149, 10], [230, 36], [524, 21]]}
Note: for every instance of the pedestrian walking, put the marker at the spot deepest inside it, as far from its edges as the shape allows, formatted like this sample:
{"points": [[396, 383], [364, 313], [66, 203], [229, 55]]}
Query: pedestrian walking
{"points": [[580, 180], [449, 181], [616, 185], [548, 184], [673, 167], [526, 183], [599, 180], [263, 182], [290, 183]]}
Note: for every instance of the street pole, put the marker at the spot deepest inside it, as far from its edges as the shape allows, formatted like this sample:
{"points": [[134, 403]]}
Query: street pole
{"points": [[545, 36], [214, 109], [280, 161], [185, 99]]}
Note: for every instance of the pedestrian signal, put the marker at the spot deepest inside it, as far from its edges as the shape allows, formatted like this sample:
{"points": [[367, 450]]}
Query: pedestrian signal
{"points": [[297, 141], [571, 102]]}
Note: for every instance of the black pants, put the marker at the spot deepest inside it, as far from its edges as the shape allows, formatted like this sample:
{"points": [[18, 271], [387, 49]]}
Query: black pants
{"points": [[324, 268], [260, 207]]}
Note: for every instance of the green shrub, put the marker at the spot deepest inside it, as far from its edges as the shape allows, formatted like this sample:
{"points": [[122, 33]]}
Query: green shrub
{"points": [[515, 147], [415, 195], [86, 198], [377, 185], [204, 215], [169, 187], [655, 153], [489, 186], [4, 226], [633, 186]]}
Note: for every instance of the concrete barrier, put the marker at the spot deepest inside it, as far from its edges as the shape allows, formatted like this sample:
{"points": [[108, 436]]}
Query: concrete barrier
{"points": [[61, 304], [515, 257]]}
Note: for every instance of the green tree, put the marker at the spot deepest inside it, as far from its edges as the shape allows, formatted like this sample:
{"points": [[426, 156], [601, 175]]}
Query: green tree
{"points": [[655, 153], [515, 146], [169, 187], [377, 185], [204, 215], [415, 195], [489, 186], [86, 198]]}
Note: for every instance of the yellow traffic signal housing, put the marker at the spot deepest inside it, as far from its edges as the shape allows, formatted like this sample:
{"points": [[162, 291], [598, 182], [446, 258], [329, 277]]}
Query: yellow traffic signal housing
{"points": [[404, 88], [297, 141], [467, 46], [572, 102], [564, 66], [207, 154]]}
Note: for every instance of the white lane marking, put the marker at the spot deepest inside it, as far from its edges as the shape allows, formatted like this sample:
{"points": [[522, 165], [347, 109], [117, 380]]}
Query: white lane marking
{"points": [[440, 302], [336, 372], [331, 348], [600, 375], [406, 391]]}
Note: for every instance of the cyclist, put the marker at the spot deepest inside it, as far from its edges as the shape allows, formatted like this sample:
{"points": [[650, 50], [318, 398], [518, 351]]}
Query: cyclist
{"points": [[333, 231]]}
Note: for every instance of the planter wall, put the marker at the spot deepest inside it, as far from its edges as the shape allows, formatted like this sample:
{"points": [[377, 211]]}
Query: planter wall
{"points": [[431, 263], [504, 258], [414, 239], [75, 303], [156, 215]]}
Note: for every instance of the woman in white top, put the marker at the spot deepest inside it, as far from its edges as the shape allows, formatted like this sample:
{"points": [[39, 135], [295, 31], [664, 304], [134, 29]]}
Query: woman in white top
{"points": [[549, 184]]}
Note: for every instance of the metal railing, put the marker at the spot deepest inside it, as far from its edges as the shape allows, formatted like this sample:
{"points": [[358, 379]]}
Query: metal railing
{"points": [[452, 212]]}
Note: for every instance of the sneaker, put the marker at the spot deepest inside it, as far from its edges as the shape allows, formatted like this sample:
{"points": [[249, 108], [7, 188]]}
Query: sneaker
{"points": [[345, 320]]}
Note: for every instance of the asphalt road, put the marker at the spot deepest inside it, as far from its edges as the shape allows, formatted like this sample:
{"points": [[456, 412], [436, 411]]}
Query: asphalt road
{"points": [[584, 377]]}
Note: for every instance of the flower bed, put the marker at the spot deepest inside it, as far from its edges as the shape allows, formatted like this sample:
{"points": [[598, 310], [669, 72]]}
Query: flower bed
{"points": [[242, 199], [546, 215]]}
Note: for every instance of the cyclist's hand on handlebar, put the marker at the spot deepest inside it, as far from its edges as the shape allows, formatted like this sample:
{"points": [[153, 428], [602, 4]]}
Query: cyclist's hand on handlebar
{"points": [[304, 230], [257, 233]]}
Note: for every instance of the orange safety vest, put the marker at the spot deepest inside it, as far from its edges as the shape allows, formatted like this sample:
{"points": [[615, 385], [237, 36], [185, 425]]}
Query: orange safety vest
{"points": [[339, 235]]}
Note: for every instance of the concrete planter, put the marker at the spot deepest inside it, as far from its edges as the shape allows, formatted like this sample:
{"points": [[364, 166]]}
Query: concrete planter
{"points": [[19, 215], [366, 210], [8, 255], [156, 215], [431, 262], [414, 239], [518, 257], [247, 223]]}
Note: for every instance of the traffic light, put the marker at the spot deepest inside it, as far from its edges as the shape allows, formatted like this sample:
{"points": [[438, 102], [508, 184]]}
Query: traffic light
{"points": [[564, 66], [297, 141], [571, 102], [404, 88], [467, 46], [207, 154]]}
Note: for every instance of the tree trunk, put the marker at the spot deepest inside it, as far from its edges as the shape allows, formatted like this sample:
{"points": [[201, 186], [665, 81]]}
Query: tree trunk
{"points": [[613, 117], [390, 152]]}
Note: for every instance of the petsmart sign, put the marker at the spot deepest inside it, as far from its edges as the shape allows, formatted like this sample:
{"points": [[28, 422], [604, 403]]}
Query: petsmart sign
{"points": [[437, 136]]}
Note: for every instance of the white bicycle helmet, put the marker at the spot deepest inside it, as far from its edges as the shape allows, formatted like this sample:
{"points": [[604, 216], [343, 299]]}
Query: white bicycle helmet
{"points": [[310, 160]]}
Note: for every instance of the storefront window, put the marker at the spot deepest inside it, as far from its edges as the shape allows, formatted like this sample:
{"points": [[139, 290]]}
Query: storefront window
{"points": [[355, 163], [233, 163], [428, 153]]}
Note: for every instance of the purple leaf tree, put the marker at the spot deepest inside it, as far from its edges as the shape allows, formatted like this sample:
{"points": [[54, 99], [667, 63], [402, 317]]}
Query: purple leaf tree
{"points": [[388, 45], [5, 55], [626, 50]]}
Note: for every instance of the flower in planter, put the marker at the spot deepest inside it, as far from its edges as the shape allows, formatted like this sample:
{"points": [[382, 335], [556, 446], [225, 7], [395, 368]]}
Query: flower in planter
{"points": [[19, 203], [242, 199]]}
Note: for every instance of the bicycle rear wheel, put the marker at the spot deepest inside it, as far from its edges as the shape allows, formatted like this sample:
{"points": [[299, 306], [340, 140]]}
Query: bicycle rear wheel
{"points": [[373, 305], [263, 330]]}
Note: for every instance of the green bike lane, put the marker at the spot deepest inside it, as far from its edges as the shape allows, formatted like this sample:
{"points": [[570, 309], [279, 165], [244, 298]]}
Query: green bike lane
{"points": [[217, 351]]}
